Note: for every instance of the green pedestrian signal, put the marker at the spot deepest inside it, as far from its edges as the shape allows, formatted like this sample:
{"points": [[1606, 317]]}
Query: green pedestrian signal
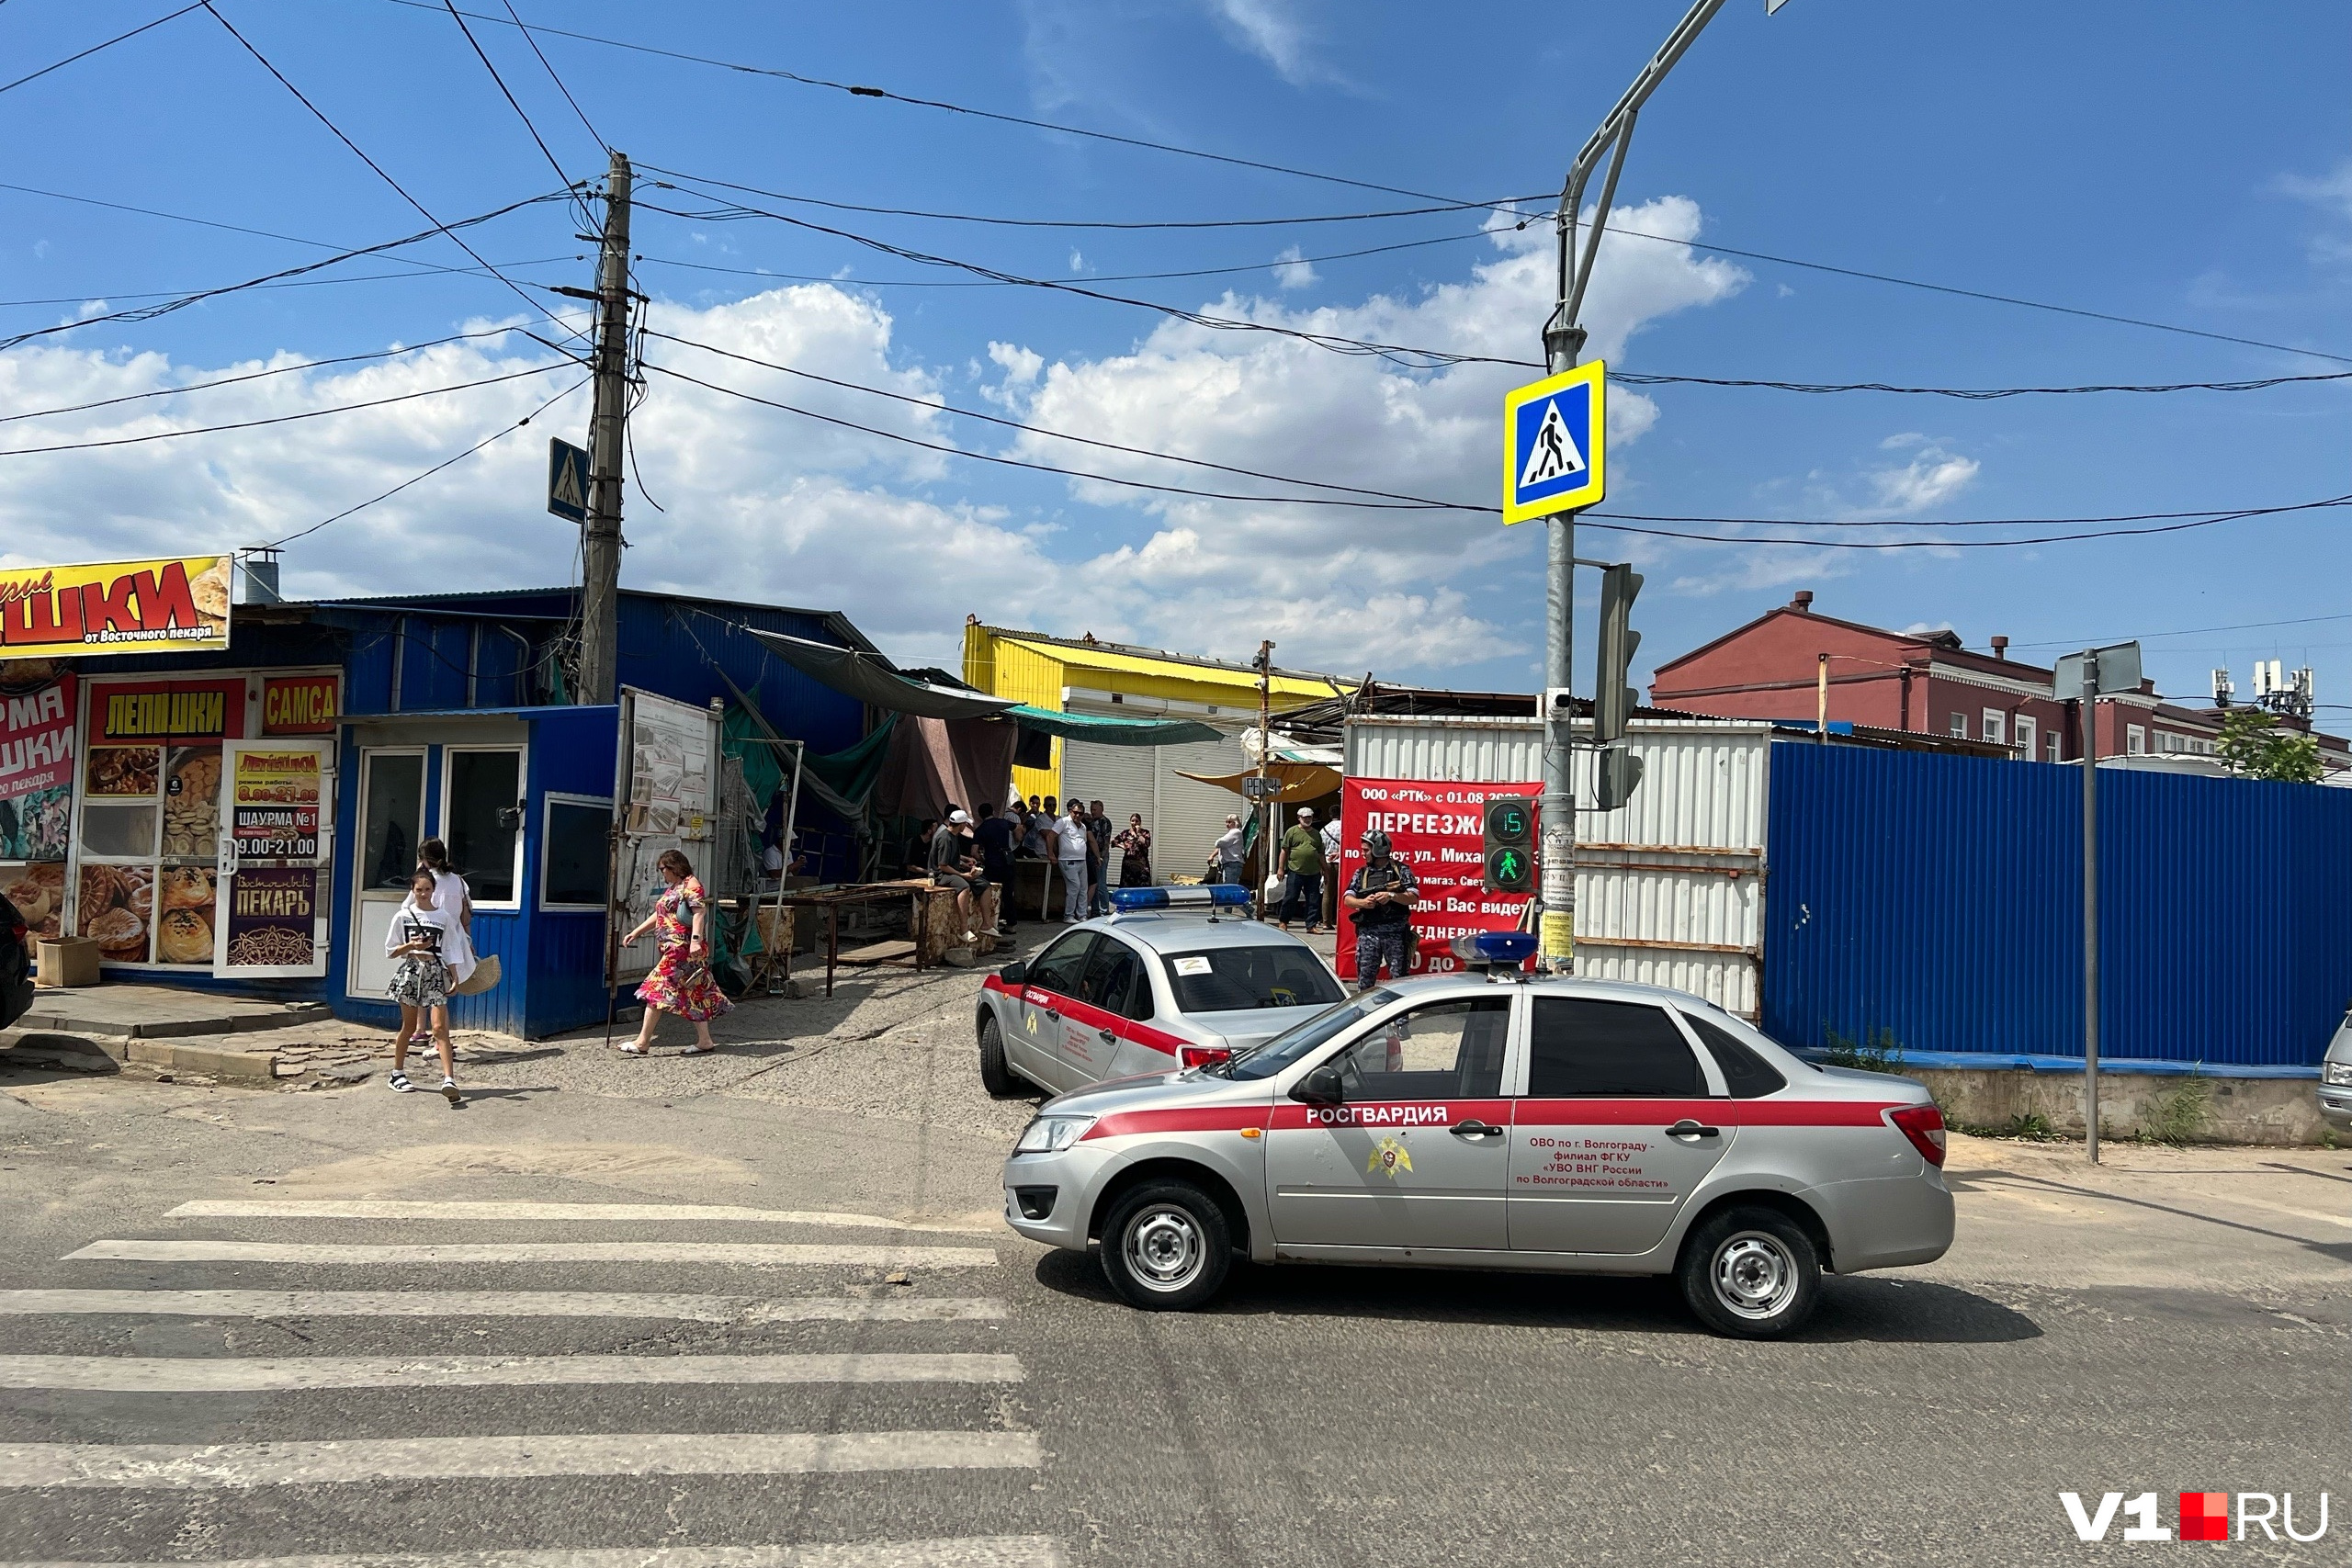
{"points": [[1511, 837]]}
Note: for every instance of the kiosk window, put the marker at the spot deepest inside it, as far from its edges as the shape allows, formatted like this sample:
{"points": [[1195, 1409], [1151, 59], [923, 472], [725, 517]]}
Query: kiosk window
{"points": [[576, 854]]}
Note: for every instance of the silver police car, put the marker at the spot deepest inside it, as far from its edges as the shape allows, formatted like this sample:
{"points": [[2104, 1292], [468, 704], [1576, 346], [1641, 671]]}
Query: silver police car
{"points": [[1173, 977], [1550, 1125]]}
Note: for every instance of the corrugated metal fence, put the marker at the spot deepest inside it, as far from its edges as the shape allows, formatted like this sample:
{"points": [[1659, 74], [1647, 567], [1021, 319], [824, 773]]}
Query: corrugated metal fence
{"points": [[1669, 886], [1940, 897]]}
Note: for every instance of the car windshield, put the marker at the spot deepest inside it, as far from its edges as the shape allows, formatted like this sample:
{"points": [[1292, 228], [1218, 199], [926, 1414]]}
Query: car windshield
{"points": [[1242, 979], [1300, 1038]]}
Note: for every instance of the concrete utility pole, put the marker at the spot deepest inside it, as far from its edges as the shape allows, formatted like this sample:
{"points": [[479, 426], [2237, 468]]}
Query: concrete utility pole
{"points": [[1563, 347], [601, 540]]}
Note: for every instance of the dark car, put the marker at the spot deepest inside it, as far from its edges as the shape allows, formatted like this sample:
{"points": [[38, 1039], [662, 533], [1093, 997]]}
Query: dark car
{"points": [[15, 964]]}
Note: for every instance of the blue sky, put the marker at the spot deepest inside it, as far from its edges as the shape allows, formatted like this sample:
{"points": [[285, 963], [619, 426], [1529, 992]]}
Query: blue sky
{"points": [[2181, 163]]}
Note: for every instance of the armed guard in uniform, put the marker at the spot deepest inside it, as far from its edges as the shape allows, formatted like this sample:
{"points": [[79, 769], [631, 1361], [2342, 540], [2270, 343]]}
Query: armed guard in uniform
{"points": [[1380, 900]]}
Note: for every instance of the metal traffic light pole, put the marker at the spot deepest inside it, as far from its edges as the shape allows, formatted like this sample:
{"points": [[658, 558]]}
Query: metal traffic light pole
{"points": [[1563, 347]]}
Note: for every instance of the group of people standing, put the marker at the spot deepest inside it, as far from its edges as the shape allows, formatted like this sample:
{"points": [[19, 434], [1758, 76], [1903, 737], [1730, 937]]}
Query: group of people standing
{"points": [[1309, 861], [1078, 839]]}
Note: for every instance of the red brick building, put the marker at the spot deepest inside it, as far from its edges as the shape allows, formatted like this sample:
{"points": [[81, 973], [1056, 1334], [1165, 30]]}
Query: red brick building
{"points": [[1928, 683]]}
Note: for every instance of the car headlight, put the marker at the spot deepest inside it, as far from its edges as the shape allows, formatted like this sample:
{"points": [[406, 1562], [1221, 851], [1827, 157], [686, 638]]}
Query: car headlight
{"points": [[2337, 1072], [1051, 1134]]}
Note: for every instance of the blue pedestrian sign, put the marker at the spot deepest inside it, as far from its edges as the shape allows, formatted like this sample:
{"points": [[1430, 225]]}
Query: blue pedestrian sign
{"points": [[567, 481], [1553, 434]]}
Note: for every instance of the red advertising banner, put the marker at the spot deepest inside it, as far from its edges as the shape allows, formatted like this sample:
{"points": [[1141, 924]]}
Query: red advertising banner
{"points": [[37, 770], [1439, 832]]}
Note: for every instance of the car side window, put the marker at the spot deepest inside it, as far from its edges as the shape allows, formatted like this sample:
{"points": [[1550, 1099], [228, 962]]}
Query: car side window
{"points": [[1449, 1050], [1746, 1074], [1582, 1047], [1062, 967], [1109, 980]]}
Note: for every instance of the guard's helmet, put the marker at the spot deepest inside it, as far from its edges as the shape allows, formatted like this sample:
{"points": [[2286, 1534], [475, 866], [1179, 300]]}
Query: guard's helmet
{"points": [[1375, 843]]}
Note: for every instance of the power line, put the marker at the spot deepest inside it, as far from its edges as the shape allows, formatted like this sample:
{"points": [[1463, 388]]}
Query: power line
{"points": [[866, 92], [507, 93], [1051, 469], [1628, 524], [108, 296], [381, 172], [94, 48], [258, 375], [275, 419], [1505, 204], [1409, 358], [501, 431], [2192, 631], [1979, 394], [594, 134], [181, 302], [1063, 435]]}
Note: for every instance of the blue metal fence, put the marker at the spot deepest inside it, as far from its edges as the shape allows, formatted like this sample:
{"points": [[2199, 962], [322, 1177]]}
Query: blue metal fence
{"points": [[1939, 897]]}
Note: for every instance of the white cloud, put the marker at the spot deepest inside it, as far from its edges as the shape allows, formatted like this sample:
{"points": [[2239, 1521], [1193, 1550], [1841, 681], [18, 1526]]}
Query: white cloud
{"points": [[2330, 192], [1293, 273], [1272, 30], [1932, 476], [764, 505], [1077, 259]]}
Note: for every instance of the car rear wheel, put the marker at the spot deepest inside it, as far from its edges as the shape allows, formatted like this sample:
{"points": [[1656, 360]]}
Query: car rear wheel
{"points": [[1751, 1273], [996, 1076], [1166, 1246]]}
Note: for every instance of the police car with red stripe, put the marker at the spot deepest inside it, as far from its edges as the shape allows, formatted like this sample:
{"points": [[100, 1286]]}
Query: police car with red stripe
{"points": [[1498, 1122], [1151, 986]]}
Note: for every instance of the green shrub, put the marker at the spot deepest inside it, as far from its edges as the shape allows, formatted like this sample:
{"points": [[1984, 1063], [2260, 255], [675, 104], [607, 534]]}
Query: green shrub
{"points": [[1877, 1052]]}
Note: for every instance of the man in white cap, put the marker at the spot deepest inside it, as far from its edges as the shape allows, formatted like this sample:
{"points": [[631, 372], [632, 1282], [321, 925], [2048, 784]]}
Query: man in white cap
{"points": [[952, 865], [1303, 868]]}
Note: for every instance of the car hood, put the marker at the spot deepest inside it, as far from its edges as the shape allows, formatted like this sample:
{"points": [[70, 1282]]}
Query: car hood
{"points": [[1157, 1092]]}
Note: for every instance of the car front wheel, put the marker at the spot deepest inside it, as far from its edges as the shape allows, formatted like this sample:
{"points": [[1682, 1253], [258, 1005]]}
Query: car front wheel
{"points": [[996, 1074], [1751, 1273], [1166, 1246]]}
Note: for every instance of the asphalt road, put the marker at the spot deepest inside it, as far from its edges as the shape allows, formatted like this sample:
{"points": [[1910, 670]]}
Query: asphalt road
{"points": [[2177, 1319]]}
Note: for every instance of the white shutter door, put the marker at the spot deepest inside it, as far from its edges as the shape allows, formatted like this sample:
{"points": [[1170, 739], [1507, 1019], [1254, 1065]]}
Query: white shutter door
{"points": [[1193, 814], [1119, 776]]}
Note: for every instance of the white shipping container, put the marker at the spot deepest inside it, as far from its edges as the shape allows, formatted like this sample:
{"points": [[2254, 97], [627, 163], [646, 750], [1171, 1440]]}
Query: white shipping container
{"points": [[1670, 885]]}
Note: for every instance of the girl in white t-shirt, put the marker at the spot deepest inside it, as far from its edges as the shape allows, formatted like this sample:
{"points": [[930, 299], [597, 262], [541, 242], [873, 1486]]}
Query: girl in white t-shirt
{"points": [[449, 891], [435, 956]]}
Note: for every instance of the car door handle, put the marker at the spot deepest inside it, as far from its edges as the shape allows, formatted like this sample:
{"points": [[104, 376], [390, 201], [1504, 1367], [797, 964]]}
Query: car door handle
{"points": [[1108, 1038], [1687, 1128], [1474, 1128]]}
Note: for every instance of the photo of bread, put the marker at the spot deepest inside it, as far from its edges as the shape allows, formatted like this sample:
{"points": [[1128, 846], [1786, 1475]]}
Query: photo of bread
{"points": [[113, 910], [184, 936], [30, 898], [192, 803], [209, 588], [124, 770]]}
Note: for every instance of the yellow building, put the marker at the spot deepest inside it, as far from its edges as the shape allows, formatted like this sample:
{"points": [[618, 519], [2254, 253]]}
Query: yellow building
{"points": [[1112, 680]]}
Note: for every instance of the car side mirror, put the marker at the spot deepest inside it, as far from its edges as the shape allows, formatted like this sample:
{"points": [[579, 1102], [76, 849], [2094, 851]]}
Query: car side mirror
{"points": [[1319, 1086], [1013, 974]]}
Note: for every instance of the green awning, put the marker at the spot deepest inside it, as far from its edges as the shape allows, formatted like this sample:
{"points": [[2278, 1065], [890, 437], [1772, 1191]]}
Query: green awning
{"points": [[1104, 731]]}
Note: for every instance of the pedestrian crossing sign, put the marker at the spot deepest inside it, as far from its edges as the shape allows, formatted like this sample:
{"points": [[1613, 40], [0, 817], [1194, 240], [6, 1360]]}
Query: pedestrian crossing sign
{"points": [[1554, 432], [567, 481]]}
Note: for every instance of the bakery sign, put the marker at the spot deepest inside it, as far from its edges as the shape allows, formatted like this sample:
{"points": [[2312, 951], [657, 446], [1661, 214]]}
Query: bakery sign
{"points": [[140, 606], [274, 805]]}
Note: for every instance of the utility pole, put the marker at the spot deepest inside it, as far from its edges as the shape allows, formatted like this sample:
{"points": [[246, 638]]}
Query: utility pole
{"points": [[2090, 907], [1563, 347], [600, 591], [1265, 752]]}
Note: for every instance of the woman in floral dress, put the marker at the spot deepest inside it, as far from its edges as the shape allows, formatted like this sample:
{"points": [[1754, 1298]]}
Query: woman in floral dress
{"points": [[682, 981], [1134, 865]]}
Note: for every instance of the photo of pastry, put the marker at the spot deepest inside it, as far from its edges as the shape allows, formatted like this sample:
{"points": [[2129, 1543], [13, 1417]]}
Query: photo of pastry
{"points": [[210, 589], [113, 910], [184, 936], [51, 879], [192, 803], [124, 770], [188, 887]]}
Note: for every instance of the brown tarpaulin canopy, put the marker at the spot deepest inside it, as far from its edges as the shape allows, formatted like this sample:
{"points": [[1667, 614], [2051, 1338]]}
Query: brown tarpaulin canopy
{"points": [[1300, 781]]}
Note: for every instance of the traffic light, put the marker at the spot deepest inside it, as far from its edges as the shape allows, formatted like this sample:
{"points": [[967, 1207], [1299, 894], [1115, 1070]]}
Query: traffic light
{"points": [[1617, 774], [1612, 700], [1511, 845]]}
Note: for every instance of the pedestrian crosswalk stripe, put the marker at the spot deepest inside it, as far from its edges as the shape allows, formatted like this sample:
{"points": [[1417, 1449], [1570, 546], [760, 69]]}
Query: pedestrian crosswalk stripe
{"points": [[205, 1467], [741, 1310], [504, 1209], [972, 1552], [224, 1374], [748, 1254]]}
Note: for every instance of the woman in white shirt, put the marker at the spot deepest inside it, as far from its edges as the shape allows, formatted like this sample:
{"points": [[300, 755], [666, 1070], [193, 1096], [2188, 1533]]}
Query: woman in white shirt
{"points": [[428, 937]]}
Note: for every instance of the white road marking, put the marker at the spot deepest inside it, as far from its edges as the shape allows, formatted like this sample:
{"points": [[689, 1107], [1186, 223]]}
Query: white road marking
{"points": [[505, 1304], [975, 1552], [406, 1208], [754, 1255], [202, 1467], [220, 1374]]}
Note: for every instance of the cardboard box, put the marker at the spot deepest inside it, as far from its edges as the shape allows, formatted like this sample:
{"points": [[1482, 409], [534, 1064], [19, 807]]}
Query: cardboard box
{"points": [[67, 961]]}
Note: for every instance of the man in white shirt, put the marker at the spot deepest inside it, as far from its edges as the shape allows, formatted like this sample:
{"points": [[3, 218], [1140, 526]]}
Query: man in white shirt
{"points": [[1224, 860], [1331, 873], [1071, 838]]}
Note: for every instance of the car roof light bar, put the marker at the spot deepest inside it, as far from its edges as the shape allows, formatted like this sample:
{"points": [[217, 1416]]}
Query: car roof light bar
{"points": [[1496, 952], [1211, 898]]}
